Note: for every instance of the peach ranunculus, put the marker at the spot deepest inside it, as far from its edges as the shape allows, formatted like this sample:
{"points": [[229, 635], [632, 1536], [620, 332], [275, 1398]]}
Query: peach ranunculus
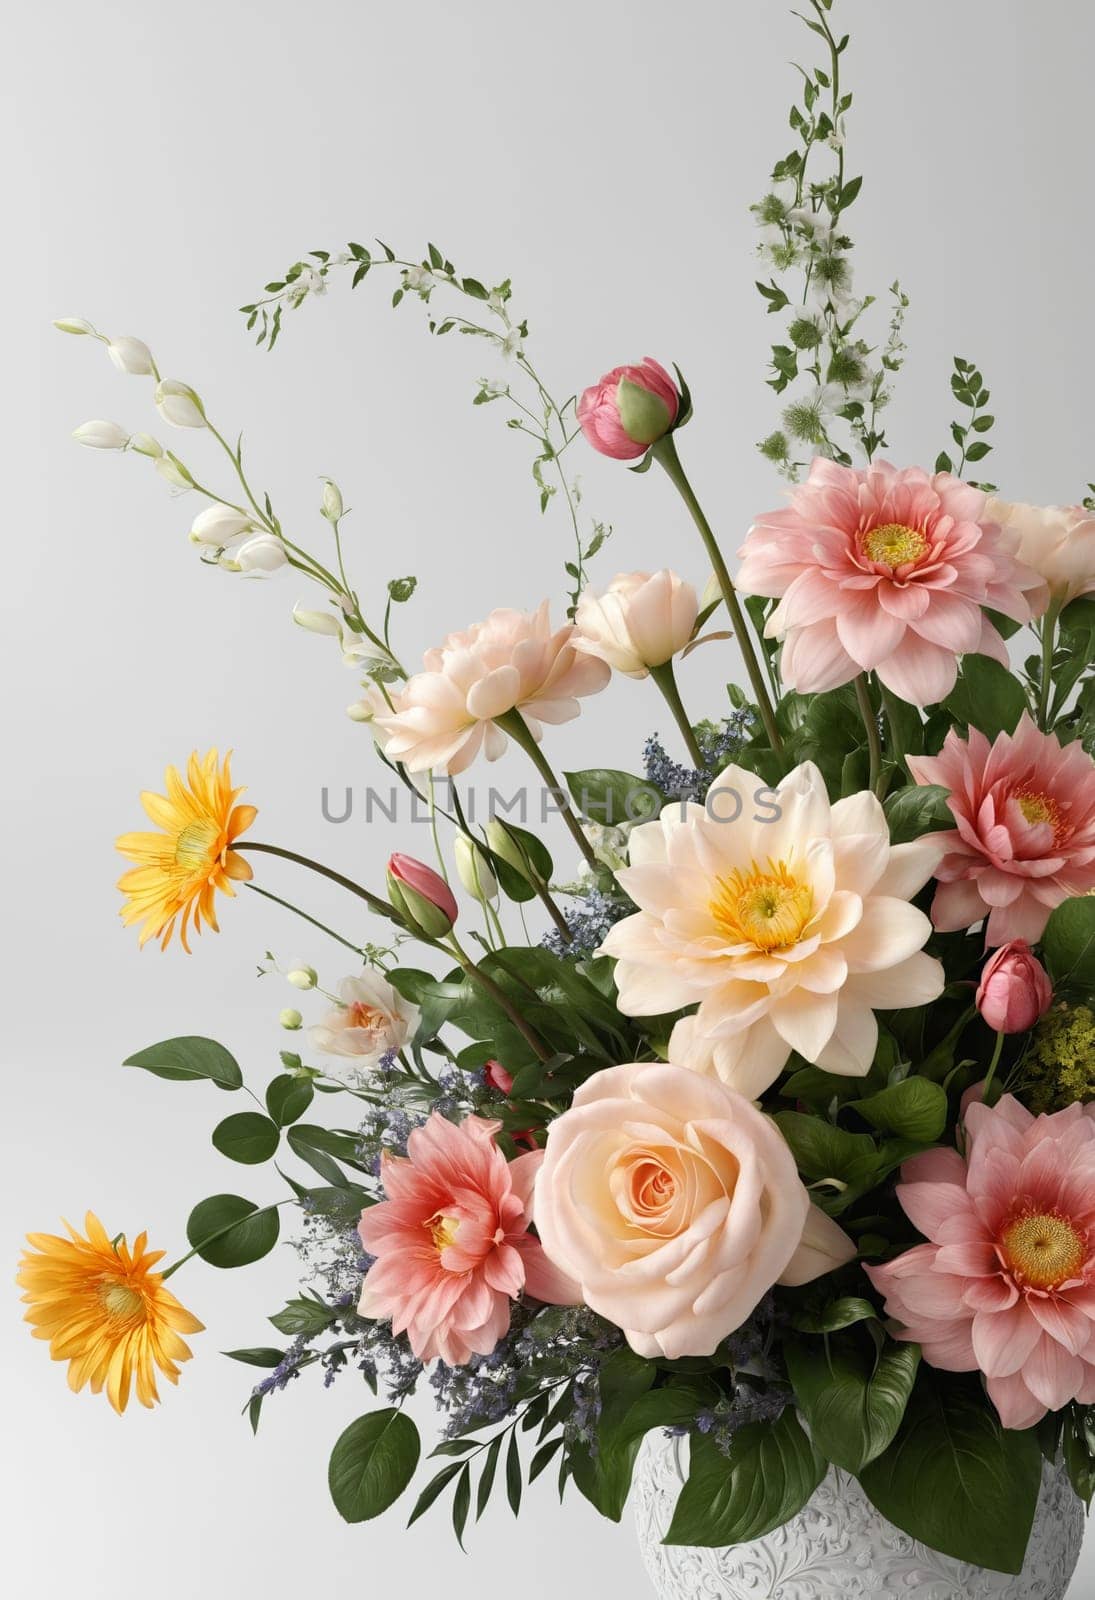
{"points": [[1025, 835], [1006, 1285], [786, 917], [452, 1242], [641, 621], [513, 661], [1057, 542], [372, 1020], [888, 571], [676, 1205]]}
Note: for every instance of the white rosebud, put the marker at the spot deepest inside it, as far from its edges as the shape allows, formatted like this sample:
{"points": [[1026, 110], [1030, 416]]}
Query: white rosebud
{"points": [[130, 355], [473, 870], [219, 525], [173, 472], [262, 553], [331, 504], [100, 435], [73, 325], [179, 404], [290, 1019], [303, 977], [316, 621], [146, 445]]}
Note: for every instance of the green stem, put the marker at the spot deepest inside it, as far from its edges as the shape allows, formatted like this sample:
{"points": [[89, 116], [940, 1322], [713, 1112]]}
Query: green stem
{"points": [[986, 1095], [870, 723], [499, 996], [168, 1272], [381, 907], [666, 680], [665, 453], [888, 704], [322, 926], [1049, 640], [513, 723]]}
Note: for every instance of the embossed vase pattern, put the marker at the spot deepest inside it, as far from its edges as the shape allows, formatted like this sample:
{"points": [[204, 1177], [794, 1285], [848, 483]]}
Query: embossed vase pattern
{"points": [[840, 1545]]}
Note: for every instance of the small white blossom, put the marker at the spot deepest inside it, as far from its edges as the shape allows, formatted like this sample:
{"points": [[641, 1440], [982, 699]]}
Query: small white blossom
{"points": [[173, 472], [73, 325], [261, 554], [219, 526], [130, 355], [100, 435], [420, 279], [146, 445], [316, 621], [510, 346], [179, 404]]}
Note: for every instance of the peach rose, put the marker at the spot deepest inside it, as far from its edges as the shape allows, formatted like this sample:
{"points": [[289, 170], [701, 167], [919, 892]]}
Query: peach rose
{"points": [[676, 1204]]}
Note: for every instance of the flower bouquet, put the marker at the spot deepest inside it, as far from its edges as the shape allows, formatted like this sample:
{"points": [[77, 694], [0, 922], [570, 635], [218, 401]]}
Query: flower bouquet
{"points": [[776, 1143]]}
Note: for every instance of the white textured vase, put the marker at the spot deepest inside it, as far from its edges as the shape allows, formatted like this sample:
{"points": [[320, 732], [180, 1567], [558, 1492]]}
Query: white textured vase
{"points": [[839, 1545]]}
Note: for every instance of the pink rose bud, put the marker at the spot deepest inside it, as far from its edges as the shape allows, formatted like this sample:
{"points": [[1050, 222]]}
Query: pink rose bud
{"points": [[497, 1076], [421, 895], [629, 410], [1015, 989]]}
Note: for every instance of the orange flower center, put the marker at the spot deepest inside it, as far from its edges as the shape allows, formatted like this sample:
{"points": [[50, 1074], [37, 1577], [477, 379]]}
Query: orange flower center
{"points": [[894, 545], [654, 1187], [768, 910], [1043, 1248], [1038, 807], [196, 845], [442, 1230], [364, 1016], [120, 1301]]}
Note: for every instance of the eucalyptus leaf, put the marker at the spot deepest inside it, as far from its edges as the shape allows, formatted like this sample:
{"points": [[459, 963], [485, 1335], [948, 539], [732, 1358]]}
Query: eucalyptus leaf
{"points": [[372, 1463], [189, 1057]]}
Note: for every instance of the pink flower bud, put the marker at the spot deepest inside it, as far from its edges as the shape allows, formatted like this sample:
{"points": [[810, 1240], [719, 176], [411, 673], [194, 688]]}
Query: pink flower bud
{"points": [[629, 410], [1015, 989], [422, 895], [497, 1076]]}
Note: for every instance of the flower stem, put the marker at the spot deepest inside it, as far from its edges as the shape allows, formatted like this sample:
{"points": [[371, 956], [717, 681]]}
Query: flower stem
{"points": [[874, 738], [665, 453], [513, 723], [322, 926], [1049, 640], [666, 680], [381, 907], [986, 1095], [499, 996], [168, 1272]]}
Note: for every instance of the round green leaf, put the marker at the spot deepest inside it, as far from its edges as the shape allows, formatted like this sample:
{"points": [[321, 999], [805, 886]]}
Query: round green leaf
{"points": [[187, 1058], [228, 1231], [248, 1137], [288, 1098], [1068, 943], [372, 1463], [915, 1108]]}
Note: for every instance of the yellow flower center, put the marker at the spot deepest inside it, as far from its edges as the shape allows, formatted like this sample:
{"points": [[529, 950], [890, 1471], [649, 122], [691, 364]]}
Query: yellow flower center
{"points": [[768, 910], [442, 1230], [1043, 1248], [195, 846], [1039, 808], [893, 544], [120, 1301]]}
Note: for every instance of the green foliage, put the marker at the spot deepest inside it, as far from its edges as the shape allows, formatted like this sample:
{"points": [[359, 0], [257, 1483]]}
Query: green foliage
{"points": [[852, 1391], [1068, 944], [1078, 1445], [987, 696], [372, 1463], [914, 1109], [612, 798], [188, 1058], [955, 1479], [247, 1137], [968, 388], [228, 1231], [288, 1098], [769, 1475], [307, 1315]]}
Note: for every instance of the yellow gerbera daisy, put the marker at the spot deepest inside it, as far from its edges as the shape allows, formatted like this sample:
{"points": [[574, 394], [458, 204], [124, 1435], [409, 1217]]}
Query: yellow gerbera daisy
{"points": [[104, 1311], [180, 869]]}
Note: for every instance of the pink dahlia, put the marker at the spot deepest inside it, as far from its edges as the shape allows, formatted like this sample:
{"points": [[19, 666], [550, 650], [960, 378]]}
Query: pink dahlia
{"points": [[452, 1242], [1025, 836], [1006, 1285], [887, 571]]}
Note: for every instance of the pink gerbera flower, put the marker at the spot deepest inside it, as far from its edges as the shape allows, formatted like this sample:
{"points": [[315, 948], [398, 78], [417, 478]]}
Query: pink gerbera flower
{"points": [[1007, 1284], [1025, 836], [887, 571], [452, 1244]]}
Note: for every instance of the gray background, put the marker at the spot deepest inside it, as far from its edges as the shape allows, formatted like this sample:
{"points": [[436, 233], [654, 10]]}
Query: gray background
{"points": [[162, 164]]}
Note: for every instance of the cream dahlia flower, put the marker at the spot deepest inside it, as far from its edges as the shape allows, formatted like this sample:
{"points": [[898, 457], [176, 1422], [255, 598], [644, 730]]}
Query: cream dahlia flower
{"points": [[513, 661], [786, 917]]}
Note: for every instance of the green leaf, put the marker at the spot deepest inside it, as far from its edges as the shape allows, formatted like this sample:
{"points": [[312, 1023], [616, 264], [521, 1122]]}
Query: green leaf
{"points": [[433, 1489], [611, 798], [837, 1314], [770, 1473], [513, 1474], [228, 1231], [1068, 943], [918, 808], [372, 1463], [955, 1479], [247, 1137], [915, 1108], [486, 1480], [306, 1315], [1078, 1456], [187, 1058], [987, 696], [852, 1395], [288, 1098], [461, 1504], [257, 1356]]}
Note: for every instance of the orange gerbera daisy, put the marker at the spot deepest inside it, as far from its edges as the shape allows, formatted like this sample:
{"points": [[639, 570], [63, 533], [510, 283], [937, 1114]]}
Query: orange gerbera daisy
{"points": [[181, 868], [104, 1311]]}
